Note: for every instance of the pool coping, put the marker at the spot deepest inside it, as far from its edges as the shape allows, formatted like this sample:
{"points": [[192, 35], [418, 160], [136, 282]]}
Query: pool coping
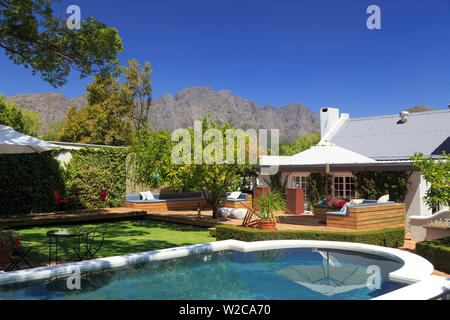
{"points": [[416, 270]]}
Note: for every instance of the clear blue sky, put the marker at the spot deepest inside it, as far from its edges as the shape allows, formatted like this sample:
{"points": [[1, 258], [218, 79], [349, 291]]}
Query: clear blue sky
{"points": [[316, 52]]}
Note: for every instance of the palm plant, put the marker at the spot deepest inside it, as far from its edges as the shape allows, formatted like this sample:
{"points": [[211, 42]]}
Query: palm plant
{"points": [[268, 205]]}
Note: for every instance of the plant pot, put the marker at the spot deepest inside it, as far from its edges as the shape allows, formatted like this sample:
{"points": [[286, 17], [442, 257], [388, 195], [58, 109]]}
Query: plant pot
{"points": [[267, 225]]}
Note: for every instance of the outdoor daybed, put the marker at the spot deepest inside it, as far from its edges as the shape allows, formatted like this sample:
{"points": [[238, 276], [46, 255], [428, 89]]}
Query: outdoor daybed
{"points": [[366, 216], [180, 201]]}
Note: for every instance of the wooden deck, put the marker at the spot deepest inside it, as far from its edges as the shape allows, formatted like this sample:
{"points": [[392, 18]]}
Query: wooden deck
{"points": [[69, 217], [287, 221]]}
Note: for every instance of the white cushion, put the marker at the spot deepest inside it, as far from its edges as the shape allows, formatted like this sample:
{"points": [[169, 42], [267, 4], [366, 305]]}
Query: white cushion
{"points": [[143, 195], [356, 201], [234, 195], [149, 195], [384, 199]]}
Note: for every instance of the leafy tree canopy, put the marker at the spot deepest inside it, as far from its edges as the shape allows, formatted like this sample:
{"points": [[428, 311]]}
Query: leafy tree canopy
{"points": [[24, 121], [301, 144], [153, 158], [34, 37], [437, 173], [115, 110]]}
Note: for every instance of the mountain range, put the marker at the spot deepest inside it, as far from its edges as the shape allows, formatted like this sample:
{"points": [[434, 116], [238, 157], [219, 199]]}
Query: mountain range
{"points": [[180, 111]]}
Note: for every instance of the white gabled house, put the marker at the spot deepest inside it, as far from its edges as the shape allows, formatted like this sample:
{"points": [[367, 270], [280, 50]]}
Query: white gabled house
{"points": [[380, 143]]}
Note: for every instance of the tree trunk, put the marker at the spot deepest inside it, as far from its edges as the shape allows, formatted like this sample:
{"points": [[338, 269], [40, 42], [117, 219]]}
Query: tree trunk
{"points": [[215, 213]]}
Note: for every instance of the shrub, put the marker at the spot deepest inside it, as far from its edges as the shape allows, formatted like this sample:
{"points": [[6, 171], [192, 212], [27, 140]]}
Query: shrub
{"points": [[28, 181], [437, 252], [373, 185], [392, 238]]}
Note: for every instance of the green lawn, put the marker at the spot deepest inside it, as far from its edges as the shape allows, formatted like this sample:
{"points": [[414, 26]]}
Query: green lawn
{"points": [[122, 238]]}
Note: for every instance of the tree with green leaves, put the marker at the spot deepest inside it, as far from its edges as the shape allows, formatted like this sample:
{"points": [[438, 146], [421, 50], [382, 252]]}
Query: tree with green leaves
{"points": [[115, 111], [53, 132], [25, 121], [301, 144], [34, 37], [437, 173], [211, 175]]}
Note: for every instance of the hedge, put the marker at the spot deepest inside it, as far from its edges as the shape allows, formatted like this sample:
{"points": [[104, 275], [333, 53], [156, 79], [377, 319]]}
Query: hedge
{"points": [[28, 181], [392, 238], [437, 252]]}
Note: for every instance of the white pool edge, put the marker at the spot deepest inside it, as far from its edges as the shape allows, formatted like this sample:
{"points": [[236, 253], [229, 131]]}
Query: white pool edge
{"points": [[416, 271]]}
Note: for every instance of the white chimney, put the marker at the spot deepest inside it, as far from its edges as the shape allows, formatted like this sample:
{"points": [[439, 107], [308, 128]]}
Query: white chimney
{"points": [[328, 118], [404, 116]]}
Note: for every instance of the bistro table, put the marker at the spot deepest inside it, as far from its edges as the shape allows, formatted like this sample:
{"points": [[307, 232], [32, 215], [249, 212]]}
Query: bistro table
{"points": [[56, 234]]}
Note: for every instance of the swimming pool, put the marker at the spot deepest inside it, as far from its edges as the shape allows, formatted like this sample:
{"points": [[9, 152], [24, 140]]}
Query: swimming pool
{"points": [[226, 270]]}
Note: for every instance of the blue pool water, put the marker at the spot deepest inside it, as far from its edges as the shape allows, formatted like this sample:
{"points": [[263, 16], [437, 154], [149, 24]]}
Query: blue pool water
{"points": [[284, 274]]}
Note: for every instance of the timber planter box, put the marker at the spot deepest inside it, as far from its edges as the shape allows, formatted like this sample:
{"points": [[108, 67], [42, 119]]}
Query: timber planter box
{"points": [[378, 216]]}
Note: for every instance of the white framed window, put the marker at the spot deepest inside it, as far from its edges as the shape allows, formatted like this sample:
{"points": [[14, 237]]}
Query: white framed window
{"points": [[344, 187], [299, 182]]}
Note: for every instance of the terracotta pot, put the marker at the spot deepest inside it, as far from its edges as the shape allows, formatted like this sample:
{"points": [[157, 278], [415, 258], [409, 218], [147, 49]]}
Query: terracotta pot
{"points": [[267, 225]]}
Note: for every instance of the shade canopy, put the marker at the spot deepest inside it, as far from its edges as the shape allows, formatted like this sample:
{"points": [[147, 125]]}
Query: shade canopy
{"points": [[327, 153], [13, 142]]}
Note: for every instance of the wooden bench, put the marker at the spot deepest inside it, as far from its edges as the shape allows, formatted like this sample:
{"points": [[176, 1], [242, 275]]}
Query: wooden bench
{"points": [[370, 217]]}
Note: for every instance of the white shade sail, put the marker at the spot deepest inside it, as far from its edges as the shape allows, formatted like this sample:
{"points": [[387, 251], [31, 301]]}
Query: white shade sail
{"points": [[13, 142], [327, 153]]}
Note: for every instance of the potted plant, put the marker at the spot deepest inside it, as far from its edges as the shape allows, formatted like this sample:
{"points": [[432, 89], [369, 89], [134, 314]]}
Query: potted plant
{"points": [[267, 206]]}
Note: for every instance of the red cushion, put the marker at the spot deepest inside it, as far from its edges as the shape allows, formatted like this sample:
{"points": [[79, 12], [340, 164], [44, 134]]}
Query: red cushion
{"points": [[342, 203]]}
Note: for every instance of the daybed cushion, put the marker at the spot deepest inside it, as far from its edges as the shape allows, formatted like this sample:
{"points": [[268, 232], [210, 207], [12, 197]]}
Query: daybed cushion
{"points": [[242, 197], [161, 198], [234, 195]]}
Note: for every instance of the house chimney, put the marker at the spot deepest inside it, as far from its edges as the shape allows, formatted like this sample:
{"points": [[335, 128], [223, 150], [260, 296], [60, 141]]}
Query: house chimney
{"points": [[328, 118], [404, 116]]}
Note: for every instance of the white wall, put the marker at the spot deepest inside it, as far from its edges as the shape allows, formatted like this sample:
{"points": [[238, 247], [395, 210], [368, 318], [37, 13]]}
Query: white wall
{"points": [[415, 206]]}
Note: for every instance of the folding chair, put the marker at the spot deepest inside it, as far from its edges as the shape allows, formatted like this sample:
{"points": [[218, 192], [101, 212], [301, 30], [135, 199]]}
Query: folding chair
{"points": [[21, 255], [102, 197], [94, 244], [248, 222]]}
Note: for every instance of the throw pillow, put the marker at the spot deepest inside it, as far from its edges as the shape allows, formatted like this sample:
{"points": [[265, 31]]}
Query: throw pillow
{"points": [[342, 203], [356, 201], [143, 195], [149, 195], [384, 199], [234, 195]]}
